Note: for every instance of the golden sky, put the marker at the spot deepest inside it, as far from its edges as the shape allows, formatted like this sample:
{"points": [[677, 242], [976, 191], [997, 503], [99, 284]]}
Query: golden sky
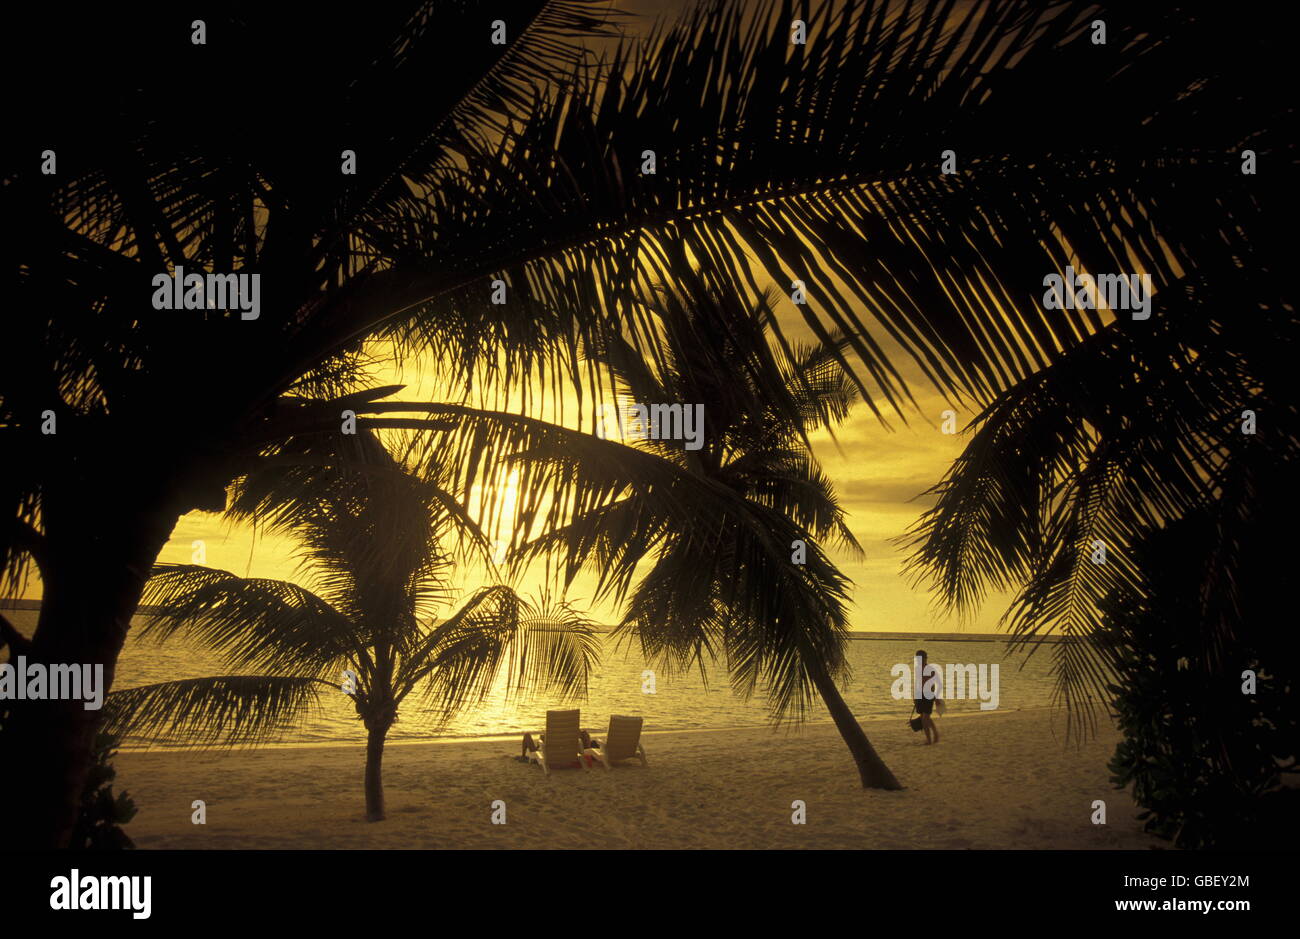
{"points": [[879, 474]]}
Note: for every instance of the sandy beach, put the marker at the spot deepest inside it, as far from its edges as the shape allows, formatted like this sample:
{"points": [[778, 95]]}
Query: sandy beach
{"points": [[999, 780]]}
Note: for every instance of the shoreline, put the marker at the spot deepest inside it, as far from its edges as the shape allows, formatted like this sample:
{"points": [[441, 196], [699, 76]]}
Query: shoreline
{"points": [[598, 731], [1008, 781]]}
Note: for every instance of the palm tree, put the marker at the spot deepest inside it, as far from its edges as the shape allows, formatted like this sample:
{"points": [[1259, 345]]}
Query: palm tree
{"points": [[370, 534], [720, 549], [522, 163], [1174, 446], [1188, 422]]}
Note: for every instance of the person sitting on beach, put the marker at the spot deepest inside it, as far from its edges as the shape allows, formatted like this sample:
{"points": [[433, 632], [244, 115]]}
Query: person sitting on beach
{"points": [[588, 743], [925, 703]]}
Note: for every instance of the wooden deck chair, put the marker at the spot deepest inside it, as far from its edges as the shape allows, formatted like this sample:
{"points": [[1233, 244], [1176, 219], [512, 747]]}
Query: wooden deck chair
{"points": [[623, 742], [561, 744]]}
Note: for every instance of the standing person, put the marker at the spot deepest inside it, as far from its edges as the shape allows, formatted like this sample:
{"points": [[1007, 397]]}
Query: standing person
{"points": [[927, 674]]}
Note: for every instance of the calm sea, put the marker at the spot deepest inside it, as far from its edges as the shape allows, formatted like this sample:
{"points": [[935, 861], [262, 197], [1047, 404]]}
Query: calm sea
{"points": [[681, 701]]}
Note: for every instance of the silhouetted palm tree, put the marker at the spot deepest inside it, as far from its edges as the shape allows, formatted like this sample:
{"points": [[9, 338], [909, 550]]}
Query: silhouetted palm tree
{"points": [[1189, 419], [1174, 447], [371, 538], [718, 549], [524, 162]]}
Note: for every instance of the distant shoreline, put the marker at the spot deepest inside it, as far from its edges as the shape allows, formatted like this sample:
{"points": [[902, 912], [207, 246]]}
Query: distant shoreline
{"points": [[792, 730], [127, 746], [34, 606], [12, 603]]}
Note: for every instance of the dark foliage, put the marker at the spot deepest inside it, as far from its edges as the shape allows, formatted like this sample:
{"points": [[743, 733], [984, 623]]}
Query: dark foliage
{"points": [[103, 813], [1208, 762]]}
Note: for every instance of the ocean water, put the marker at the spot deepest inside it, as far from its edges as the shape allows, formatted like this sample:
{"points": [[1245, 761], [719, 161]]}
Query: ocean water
{"points": [[681, 701]]}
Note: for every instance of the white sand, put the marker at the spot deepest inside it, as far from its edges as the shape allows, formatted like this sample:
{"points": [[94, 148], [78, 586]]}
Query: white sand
{"points": [[998, 780]]}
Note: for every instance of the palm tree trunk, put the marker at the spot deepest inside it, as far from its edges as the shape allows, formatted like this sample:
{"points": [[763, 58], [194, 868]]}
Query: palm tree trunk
{"points": [[375, 773], [875, 774], [97, 555]]}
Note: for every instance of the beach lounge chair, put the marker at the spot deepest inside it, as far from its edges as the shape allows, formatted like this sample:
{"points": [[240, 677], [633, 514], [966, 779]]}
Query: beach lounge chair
{"points": [[561, 745], [623, 742]]}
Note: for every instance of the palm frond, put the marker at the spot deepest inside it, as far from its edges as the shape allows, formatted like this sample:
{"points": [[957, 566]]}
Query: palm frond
{"points": [[775, 152], [1065, 462], [273, 625], [544, 650], [222, 711]]}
